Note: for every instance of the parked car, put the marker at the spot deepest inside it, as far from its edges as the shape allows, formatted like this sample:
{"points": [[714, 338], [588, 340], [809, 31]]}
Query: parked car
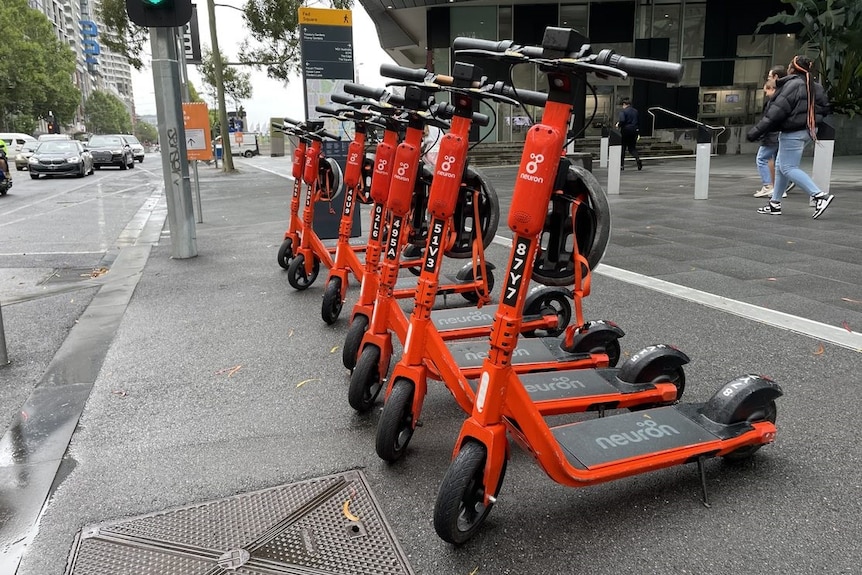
{"points": [[15, 141], [60, 158], [23, 156], [48, 137], [136, 146], [111, 151]]}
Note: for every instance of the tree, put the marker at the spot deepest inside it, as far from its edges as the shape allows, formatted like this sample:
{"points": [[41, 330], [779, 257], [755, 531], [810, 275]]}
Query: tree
{"points": [[36, 69], [832, 34], [106, 114], [237, 84], [274, 28], [146, 132]]}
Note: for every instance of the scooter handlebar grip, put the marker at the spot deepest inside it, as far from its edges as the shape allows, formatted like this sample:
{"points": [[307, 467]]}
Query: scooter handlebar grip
{"points": [[342, 99], [402, 73], [293, 122], [463, 43], [364, 91], [530, 97], [481, 119], [327, 110], [654, 70], [329, 135]]}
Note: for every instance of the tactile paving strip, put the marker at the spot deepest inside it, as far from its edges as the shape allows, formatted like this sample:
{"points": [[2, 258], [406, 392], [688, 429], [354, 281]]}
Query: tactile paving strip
{"points": [[322, 526]]}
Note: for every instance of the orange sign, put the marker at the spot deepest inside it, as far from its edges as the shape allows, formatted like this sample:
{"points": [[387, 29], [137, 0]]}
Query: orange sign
{"points": [[196, 119], [237, 136], [325, 16]]}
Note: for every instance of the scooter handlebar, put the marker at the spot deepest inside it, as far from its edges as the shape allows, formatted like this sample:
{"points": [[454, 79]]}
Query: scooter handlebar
{"points": [[342, 99], [654, 70], [327, 110], [293, 122], [364, 91], [460, 44], [530, 97], [402, 73]]}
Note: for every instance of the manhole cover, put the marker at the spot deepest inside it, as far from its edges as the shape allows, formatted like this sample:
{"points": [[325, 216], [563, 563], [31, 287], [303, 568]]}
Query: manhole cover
{"points": [[321, 526]]}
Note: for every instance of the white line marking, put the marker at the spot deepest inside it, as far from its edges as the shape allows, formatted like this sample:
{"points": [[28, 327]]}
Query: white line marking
{"points": [[829, 333]]}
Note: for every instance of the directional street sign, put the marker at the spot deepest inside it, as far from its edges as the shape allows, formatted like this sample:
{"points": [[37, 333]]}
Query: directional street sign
{"points": [[326, 39], [196, 120]]}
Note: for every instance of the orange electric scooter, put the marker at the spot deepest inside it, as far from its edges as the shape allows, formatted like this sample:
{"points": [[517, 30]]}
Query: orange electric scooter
{"points": [[734, 423], [654, 377]]}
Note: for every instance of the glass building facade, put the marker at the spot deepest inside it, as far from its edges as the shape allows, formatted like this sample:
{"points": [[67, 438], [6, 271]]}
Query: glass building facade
{"points": [[725, 61]]}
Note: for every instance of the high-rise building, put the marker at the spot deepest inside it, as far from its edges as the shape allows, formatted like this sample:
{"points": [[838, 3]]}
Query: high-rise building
{"points": [[77, 25]]}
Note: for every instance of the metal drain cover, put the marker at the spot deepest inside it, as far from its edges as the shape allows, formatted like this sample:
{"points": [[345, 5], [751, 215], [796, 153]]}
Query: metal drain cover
{"points": [[328, 525]]}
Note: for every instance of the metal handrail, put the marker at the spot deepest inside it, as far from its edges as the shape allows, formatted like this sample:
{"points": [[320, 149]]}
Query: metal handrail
{"points": [[716, 130]]}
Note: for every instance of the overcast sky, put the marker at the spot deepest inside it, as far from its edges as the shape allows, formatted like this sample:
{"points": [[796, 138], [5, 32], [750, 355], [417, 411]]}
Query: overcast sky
{"points": [[270, 98]]}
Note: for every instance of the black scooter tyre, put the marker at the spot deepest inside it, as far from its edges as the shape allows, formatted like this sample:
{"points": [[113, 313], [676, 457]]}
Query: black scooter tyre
{"points": [[353, 341], [330, 309], [285, 253], [395, 428], [365, 380], [459, 511], [296, 273]]}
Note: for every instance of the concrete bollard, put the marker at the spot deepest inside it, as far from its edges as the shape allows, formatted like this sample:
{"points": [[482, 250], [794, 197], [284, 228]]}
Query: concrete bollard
{"points": [[701, 168], [615, 157], [824, 147], [603, 150]]}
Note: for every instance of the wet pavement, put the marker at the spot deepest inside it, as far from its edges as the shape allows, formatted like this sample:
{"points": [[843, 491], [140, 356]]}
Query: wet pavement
{"points": [[183, 381]]}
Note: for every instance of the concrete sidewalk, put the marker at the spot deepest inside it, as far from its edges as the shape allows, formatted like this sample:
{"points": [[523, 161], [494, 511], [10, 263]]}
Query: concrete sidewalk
{"points": [[218, 379]]}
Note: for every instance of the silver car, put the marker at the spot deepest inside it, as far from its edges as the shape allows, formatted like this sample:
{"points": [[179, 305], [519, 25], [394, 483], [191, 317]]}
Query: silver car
{"points": [[136, 146], [60, 158]]}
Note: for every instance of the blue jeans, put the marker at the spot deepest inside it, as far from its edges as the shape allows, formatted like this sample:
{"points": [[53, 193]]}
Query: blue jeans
{"points": [[790, 146], [764, 154]]}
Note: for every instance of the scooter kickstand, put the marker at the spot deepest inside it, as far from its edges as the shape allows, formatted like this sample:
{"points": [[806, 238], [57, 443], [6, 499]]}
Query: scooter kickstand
{"points": [[701, 468]]}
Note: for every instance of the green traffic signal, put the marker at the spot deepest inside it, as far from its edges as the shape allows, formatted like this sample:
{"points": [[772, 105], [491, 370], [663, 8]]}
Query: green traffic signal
{"points": [[159, 13], [156, 3]]}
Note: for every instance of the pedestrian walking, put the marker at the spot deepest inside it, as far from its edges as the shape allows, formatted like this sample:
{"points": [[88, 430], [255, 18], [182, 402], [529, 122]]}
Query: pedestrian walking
{"points": [[799, 104], [630, 132], [768, 149]]}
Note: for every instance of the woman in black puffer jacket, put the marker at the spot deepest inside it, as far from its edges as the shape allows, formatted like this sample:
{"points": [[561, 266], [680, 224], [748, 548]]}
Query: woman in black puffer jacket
{"points": [[798, 105]]}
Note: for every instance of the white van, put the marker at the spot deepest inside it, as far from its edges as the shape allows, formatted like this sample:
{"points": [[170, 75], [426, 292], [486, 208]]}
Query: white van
{"points": [[15, 141]]}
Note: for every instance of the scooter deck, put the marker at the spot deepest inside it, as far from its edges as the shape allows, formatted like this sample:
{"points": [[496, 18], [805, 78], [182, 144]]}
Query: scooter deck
{"points": [[606, 440], [460, 318], [471, 354], [357, 243]]}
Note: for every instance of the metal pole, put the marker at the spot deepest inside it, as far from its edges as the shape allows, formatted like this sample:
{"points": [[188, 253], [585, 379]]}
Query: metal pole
{"points": [[175, 167], [187, 98], [227, 160], [4, 355], [615, 161], [701, 166]]}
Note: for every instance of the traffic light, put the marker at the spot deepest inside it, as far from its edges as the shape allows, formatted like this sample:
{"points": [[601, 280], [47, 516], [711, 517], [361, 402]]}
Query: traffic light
{"points": [[159, 13]]}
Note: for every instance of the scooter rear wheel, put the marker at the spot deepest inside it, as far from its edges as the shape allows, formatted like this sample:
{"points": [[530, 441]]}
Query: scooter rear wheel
{"points": [[395, 428], [460, 510], [548, 301], [296, 273], [353, 341], [285, 253], [769, 413], [365, 381], [332, 303], [473, 296]]}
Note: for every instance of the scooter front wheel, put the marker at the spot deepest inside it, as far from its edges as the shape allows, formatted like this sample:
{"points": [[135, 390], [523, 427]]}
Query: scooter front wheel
{"points": [[285, 253], [395, 428], [473, 296], [355, 333], [460, 509], [297, 276], [365, 380], [332, 302]]}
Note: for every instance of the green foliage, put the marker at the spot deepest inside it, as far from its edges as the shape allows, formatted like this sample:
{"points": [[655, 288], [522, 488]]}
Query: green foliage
{"points": [[104, 113], [121, 35], [193, 93], [36, 69], [832, 34], [275, 44], [237, 84], [146, 132]]}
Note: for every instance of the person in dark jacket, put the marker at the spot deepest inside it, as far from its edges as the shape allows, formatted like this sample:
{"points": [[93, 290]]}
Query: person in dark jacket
{"points": [[799, 104], [629, 132]]}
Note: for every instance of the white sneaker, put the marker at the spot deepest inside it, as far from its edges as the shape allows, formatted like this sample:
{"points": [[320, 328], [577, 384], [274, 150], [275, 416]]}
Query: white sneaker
{"points": [[763, 192], [821, 202]]}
